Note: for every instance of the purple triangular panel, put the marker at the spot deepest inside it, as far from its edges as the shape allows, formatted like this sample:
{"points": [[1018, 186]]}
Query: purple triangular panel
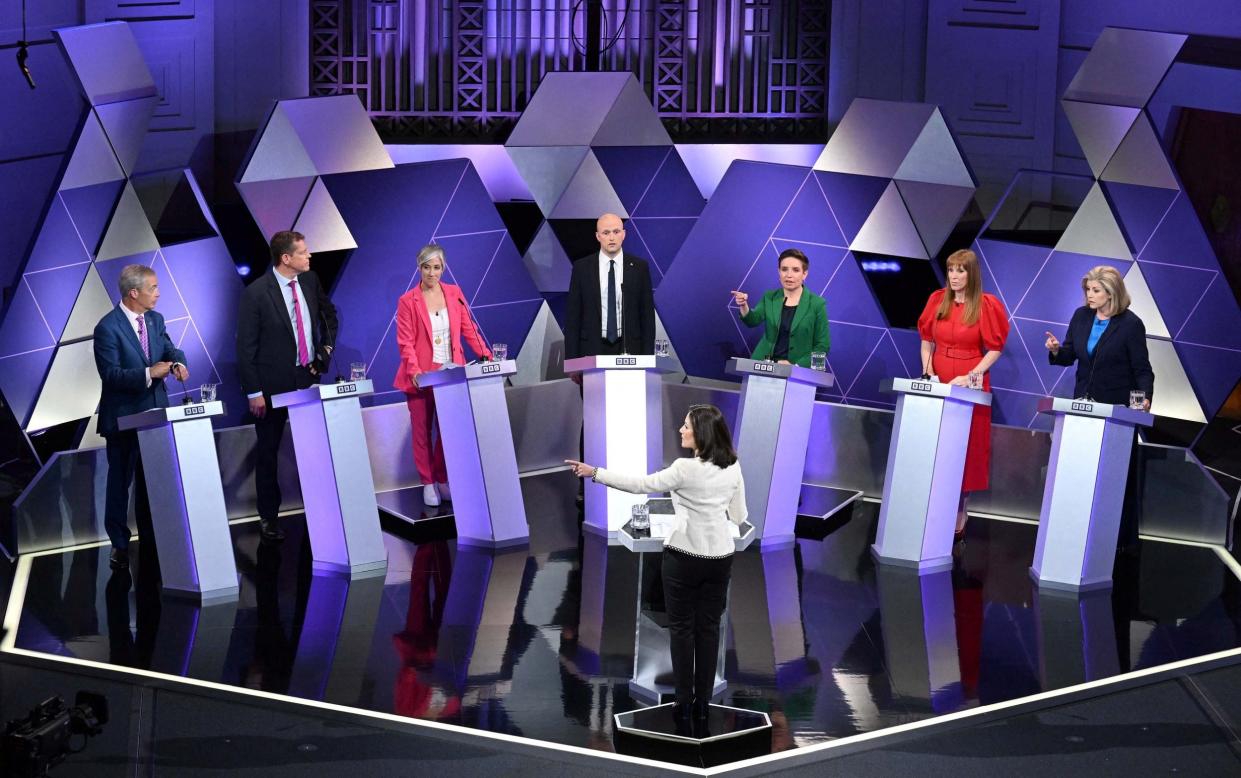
{"points": [[468, 257], [507, 323], [636, 240], [1017, 409], [851, 198], [211, 289], [196, 358], [809, 219], [848, 296], [909, 344], [1176, 291], [90, 208], [56, 291], [631, 169], [890, 229], [21, 377], [384, 360], [110, 271], [1057, 291], [1180, 239], [176, 330], [884, 363], [1217, 320], [673, 192], [506, 280], [1212, 371], [851, 347], [1138, 209], [171, 303], [1013, 266], [274, 205], [471, 208], [58, 243], [663, 239], [23, 328], [935, 210], [1021, 367]]}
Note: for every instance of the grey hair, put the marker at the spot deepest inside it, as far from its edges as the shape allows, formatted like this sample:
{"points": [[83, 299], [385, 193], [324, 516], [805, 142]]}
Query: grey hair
{"points": [[430, 251], [133, 277]]}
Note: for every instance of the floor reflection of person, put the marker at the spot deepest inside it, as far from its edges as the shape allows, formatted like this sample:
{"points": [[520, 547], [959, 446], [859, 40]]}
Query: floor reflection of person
{"points": [[707, 492], [963, 331], [418, 643], [794, 318]]}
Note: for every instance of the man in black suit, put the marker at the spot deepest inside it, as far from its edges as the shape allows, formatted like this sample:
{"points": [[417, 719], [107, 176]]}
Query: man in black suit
{"points": [[610, 309], [286, 330], [133, 355]]}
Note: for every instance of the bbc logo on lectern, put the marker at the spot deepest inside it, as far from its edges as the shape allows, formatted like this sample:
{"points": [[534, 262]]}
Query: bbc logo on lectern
{"points": [[631, 361], [492, 368], [346, 388], [195, 410], [1087, 407]]}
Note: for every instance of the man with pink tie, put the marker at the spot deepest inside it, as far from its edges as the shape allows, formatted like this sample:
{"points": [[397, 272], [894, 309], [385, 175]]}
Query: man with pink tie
{"points": [[286, 329]]}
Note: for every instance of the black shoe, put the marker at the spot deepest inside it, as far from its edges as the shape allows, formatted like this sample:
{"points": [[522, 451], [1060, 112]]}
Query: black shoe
{"points": [[269, 531], [701, 709], [681, 711], [118, 559]]}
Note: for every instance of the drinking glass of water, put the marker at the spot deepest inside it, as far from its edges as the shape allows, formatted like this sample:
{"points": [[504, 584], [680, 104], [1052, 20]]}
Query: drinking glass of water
{"points": [[818, 361], [206, 393], [357, 371], [1137, 400], [663, 348], [640, 517], [499, 351], [975, 380]]}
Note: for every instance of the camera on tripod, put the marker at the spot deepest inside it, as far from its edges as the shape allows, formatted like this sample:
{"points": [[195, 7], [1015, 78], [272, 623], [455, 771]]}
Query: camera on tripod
{"points": [[32, 745]]}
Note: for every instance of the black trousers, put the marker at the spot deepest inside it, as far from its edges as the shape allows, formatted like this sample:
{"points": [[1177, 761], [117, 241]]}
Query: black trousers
{"points": [[269, 431], [125, 468], [695, 592]]}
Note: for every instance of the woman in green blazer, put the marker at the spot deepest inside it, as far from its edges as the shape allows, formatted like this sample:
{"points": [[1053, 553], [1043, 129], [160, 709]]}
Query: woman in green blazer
{"points": [[795, 317]]}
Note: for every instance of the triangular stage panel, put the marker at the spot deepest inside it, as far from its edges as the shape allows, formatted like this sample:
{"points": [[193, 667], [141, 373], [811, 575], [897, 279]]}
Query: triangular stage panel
{"points": [[21, 377], [1217, 320], [547, 171], [275, 204], [1141, 159], [58, 243], [935, 210], [889, 229], [92, 304], [588, 194], [636, 242], [279, 153], [129, 232], [506, 279], [884, 363], [1142, 302], [471, 208], [1013, 266], [935, 158], [1138, 209], [1057, 292], [848, 296], [546, 261], [110, 271], [71, 390], [55, 291], [631, 121], [90, 208], [1212, 372], [171, 303], [320, 221], [851, 198], [1180, 239], [1093, 230], [663, 238], [568, 109], [673, 192], [93, 161], [809, 219], [125, 124], [1176, 291], [851, 347], [23, 328], [468, 257], [632, 169], [1175, 394], [1099, 129]]}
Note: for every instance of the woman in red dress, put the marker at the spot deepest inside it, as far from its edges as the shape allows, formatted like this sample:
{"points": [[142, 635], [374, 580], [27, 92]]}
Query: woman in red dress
{"points": [[963, 331]]}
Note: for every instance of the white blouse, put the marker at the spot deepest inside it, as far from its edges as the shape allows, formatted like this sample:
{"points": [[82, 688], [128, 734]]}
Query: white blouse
{"points": [[441, 352], [704, 498]]}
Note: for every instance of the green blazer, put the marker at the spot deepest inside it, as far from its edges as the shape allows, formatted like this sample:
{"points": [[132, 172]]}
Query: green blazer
{"points": [[807, 333]]}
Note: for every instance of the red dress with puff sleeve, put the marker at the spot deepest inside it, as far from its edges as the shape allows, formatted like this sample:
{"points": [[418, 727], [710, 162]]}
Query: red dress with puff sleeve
{"points": [[958, 348]]}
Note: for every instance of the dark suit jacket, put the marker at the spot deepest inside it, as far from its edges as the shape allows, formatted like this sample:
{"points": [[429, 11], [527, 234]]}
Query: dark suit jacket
{"points": [[122, 366], [583, 324], [1119, 364], [266, 345]]}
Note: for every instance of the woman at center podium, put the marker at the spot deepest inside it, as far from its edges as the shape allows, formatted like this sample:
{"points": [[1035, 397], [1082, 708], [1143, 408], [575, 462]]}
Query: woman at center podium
{"points": [[707, 493], [963, 331], [794, 318], [431, 319]]}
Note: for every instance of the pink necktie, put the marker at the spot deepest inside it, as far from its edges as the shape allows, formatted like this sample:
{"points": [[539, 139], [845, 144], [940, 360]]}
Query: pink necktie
{"points": [[142, 337], [303, 355]]}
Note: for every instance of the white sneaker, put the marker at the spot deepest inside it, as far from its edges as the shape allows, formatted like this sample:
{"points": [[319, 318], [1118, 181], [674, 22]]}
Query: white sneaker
{"points": [[430, 496], [444, 491]]}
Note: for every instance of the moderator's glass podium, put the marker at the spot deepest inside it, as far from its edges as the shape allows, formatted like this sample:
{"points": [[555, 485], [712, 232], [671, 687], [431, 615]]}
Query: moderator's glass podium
{"points": [[188, 516], [622, 427], [478, 453], [773, 432], [1084, 492], [652, 660], [926, 460], [334, 469]]}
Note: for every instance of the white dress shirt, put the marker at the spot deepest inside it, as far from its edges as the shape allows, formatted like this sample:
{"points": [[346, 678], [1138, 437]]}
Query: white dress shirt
{"points": [[704, 499], [604, 259]]}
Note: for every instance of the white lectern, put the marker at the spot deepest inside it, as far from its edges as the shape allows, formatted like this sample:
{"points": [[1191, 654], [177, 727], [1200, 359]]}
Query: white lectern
{"points": [[187, 500], [926, 460], [773, 432], [622, 421], [338, 490], [1084, 492], [478, 453]]}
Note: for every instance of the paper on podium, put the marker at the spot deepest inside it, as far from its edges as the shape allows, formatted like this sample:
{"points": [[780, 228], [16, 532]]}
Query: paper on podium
{"points": [[663, 524]]}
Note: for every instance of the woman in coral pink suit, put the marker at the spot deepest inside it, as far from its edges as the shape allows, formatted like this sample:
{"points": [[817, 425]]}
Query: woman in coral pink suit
{"points": [[963, 331], [431, 320]]}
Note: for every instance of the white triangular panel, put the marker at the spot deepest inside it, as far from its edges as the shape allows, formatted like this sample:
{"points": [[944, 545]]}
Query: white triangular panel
{"points": [[1142, 302], [1174, 396], [92, 303], [1094, 230]]}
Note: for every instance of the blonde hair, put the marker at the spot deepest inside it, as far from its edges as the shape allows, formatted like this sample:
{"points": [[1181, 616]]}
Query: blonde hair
{"points": [[973, 287], [1110, 279]]}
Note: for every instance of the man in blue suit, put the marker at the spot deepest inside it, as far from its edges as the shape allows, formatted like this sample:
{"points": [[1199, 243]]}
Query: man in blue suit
{"points": [[134, 355]]}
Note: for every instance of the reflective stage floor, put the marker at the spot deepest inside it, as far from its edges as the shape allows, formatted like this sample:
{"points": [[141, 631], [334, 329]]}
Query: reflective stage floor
{"points": [[540, 641]]}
